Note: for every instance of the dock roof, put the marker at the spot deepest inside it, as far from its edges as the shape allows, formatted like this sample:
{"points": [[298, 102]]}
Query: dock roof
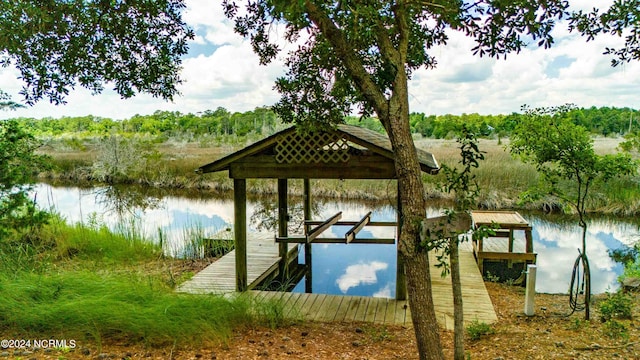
{"points": [[344, 152]]}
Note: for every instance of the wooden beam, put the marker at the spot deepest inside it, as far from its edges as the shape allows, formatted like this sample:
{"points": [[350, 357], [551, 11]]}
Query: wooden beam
{"points": [[265, 166], [528, 240], [240, 230], [291, 239], [303, 240], [352, 223], [313, 233], [351, 233], [490, 255]]}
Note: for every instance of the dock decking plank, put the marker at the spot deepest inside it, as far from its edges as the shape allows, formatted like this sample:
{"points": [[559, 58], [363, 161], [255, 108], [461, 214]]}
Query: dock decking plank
{"points": [[349, 308], [313, 312], [292, 307], [402, 310], [370, 314], [329, 308], [390, 315], [220, 276], [361, 312], [477, 304]]}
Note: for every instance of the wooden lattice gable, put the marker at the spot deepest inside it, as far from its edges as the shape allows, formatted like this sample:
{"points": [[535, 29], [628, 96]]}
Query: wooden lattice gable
{"points": [[311, 148], [347, 152]]}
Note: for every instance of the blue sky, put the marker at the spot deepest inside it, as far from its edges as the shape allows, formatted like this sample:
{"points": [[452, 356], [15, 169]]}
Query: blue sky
{"points": [[221, 70]]}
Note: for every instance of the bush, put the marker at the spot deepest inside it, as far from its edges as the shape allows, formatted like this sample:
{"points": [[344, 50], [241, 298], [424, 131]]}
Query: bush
{"points": [[19, 164], [614, 329], [617, 306], [477, 329]]}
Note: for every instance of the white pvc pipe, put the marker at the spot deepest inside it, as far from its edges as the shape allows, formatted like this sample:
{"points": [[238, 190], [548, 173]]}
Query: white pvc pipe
{"points": [[530, 292]]}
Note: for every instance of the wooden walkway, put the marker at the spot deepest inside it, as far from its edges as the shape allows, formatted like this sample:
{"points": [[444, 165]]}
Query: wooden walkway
{"points": [[220, 276], [321, 307]]}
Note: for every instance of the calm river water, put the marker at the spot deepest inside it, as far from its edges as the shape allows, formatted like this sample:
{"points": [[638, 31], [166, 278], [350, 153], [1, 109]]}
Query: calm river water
{"points": [[353, 269]]}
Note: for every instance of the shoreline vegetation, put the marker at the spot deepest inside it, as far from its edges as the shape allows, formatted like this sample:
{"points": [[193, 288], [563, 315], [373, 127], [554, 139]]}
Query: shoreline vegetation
{"points": [[161, 152], [501, 177], [88, 283]]}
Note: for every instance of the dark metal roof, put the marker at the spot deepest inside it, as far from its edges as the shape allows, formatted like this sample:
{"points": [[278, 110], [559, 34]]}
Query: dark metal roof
{"points": [[369, 139]]}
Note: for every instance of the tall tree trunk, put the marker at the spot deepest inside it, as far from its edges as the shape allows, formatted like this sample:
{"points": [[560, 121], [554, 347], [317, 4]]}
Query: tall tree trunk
{"points": [[412, 199], [393, 113]]}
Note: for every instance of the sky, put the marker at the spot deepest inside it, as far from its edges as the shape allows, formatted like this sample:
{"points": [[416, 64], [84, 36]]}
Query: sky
{"points": [[221, 70]]}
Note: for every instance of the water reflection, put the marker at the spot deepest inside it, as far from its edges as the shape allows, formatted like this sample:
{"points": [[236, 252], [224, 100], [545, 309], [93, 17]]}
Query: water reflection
{"points": [[354, 269], [557, 247]]}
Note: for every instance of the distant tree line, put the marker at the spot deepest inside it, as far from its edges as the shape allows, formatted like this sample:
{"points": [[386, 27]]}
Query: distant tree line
{"points": [[606, 121], [168, 123]]}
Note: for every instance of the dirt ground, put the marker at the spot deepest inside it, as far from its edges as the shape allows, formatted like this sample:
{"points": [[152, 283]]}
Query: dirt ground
{"points": [[549, 334]]}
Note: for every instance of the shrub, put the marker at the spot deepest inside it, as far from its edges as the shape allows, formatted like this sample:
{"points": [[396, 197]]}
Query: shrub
{"points": [[614, 329], [617, 305], [477, 329]]}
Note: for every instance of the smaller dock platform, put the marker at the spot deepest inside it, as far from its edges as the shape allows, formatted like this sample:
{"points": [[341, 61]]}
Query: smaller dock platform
{"points": [[503, 247], [220, 276]]}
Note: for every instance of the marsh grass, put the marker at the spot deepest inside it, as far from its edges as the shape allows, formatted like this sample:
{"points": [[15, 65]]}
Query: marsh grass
{"points": [[87, 283], [501, 177], [96, 242], [196, 244], [87, 306]]}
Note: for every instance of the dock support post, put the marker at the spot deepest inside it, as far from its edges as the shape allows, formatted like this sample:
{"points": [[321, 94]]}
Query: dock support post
{"points": [[401, 281], [530, 292], [510, 240], [528, 240], [240, 230], [308, 285], [283, 220]]}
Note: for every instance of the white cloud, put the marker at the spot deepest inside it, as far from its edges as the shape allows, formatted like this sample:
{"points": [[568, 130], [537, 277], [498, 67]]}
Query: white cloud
{"points": [[556, 262], [356, 275], [223, 71], [207, 17], [522, 79], [384, 292]]}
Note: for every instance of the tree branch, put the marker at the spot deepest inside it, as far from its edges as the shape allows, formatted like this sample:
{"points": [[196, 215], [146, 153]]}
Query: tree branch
{"points": [[350, 60], [400, 12]]}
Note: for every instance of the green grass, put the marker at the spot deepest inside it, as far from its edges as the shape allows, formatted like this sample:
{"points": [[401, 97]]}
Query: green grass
{"points": [[90, 284], [86, 306], [95, 243], [198, 246], [617, 305]]}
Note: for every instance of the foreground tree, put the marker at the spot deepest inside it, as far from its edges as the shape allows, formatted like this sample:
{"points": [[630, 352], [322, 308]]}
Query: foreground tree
{"points": [[362, 54], [58, 44], [18, 165], [569, 167]]}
